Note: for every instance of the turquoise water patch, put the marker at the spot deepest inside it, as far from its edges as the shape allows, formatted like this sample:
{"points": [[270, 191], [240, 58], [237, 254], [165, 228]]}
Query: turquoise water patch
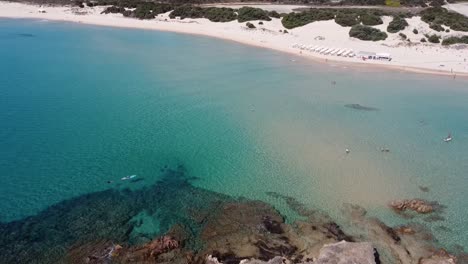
{"points": [[83, 106]]}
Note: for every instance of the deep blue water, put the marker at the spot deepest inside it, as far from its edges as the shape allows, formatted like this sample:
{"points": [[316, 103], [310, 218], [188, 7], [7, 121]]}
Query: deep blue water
{"points": [[84, 105]]}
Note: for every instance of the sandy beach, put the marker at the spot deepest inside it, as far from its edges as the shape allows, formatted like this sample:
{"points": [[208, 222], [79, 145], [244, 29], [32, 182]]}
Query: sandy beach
{"points": [[406, 56]]}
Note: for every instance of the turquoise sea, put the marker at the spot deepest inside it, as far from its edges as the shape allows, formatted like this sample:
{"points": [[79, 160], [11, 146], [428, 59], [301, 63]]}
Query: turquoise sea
{"points": [[84, 105]]}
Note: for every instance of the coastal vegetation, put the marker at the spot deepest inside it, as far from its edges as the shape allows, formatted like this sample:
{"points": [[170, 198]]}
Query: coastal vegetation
{"points": [[455, 40], [293, 20], [433, 38], [149, 10], [440, 16], [214, 14], [397, 24], [250, 25], [367, 33], [370, 19], [344, 17], [140, 10], [249, 13]]}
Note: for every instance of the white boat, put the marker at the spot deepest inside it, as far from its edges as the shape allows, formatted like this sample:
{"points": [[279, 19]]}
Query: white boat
{"points": [[128, 177], [448, 138]]}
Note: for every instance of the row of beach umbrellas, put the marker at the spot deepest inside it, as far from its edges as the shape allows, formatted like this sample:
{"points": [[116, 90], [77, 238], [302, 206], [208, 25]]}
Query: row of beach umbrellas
{"points": [[326, 50]]}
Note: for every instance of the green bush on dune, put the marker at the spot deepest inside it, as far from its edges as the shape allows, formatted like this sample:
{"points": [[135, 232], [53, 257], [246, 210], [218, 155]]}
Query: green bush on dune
{"points": [[455, 40], [370, 19], [214, 14], [293, 20], [436, 27], [433, 38], [441, 16], [346, 20], [367, 33], [249, 13], [398, 23]]}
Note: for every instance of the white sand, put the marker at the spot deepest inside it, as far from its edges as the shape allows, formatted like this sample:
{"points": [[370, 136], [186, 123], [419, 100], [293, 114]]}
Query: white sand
{"points": [[461, 8], [430, 58]]}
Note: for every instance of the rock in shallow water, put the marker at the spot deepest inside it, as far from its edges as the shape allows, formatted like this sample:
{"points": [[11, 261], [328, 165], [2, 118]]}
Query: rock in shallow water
{"points": [[417, 205], [347, 252]]}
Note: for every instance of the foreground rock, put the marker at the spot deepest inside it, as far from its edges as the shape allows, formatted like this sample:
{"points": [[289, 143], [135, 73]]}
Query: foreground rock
{"points": [[337, 253], [417, 205], [440, 257], [347, 252]]}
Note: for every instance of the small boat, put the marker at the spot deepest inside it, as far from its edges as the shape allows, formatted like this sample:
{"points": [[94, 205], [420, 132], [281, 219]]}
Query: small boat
{"points": [[128, 177], [448, 138], [347, 151]]}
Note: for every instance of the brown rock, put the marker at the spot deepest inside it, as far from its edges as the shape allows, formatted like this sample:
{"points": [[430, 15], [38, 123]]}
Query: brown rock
{"points": [[418, 205]]}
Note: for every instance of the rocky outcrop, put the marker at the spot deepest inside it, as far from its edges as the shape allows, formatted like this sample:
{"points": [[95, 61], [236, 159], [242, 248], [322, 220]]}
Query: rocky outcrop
{"points": [[337, 253], [417, 205], [439, 257], [347, 252]]}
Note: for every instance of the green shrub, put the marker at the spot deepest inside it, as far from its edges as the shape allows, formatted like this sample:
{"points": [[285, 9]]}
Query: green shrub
{"points": [[113, 10], [415, 31], [423, 40], [293, 19], [455, 40], [442, 16], [447, 30], [398, 23], [370, 19], [403, 36], [367, 33], [434, 39], [436, 27], [274, 14], [285, 31], [214, 14], [219, 14], [249, 13], [187, 11], [346, 20], [250, 25]]}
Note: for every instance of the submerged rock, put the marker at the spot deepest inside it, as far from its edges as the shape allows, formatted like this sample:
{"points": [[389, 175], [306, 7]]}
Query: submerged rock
{"points": [[361, 107], [417, 205], [347, 252]]}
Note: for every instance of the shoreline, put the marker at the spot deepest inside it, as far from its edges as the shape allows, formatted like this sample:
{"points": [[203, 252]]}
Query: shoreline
{"points": [[262, 37]]}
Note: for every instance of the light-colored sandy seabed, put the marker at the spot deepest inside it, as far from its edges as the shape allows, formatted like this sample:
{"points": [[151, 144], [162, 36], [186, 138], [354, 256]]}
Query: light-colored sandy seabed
{"points": [[411, 56]]}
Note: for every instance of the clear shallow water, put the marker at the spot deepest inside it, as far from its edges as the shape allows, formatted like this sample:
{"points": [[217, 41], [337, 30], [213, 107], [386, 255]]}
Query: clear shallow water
{"points": [[82, 105]]}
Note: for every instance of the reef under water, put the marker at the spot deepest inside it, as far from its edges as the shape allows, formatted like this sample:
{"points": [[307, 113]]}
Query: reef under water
{"points": [[188, 224], [361, 107]]}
